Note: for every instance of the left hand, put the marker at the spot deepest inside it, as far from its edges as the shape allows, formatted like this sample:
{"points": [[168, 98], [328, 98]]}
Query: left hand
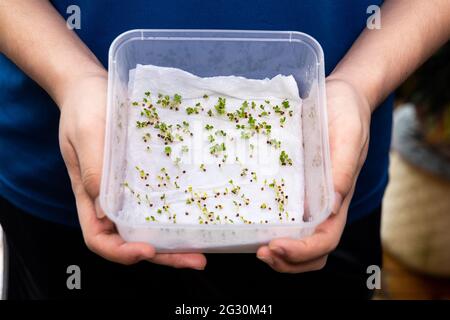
{"points": [[349, 125]]}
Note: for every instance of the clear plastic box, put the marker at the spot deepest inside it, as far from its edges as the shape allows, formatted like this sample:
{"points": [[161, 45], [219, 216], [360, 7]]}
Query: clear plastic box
{"points": [[251, 54]]}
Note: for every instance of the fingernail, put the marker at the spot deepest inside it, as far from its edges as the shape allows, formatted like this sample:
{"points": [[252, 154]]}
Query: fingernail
{"points": [[98, 209], [266, 259], [278, 250], [337, 202]]}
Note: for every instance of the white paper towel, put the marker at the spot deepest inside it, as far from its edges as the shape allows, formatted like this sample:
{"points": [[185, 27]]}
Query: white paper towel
{"points": [[142, 202]]}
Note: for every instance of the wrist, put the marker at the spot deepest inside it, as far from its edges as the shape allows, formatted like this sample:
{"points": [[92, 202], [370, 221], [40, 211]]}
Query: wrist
{"points": [[369, 82], [62, 90], [363, 91]]}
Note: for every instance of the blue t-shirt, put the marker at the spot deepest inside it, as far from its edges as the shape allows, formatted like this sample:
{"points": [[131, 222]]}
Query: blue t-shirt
{"points": [[32, 173]]}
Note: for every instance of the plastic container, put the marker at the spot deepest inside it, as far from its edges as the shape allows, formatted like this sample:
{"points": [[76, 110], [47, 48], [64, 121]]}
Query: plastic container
{"points": [[252, 54]]}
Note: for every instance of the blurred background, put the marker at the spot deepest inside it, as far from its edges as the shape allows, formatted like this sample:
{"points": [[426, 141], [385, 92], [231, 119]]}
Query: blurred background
{"points": [[416, 207]]}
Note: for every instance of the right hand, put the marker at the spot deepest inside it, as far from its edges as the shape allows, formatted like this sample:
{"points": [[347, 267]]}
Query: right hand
{"points": [[349, 127], [81, 138]]}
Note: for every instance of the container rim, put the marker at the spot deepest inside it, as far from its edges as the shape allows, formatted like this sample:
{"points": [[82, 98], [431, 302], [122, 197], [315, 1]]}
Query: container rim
{"points": [[124, 36]]}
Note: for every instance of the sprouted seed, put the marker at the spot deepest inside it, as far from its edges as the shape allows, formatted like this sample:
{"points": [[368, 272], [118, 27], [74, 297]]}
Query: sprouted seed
{"points": [[220, 106], [192, 110], [249, 119], [284, 159], [167, 150]]}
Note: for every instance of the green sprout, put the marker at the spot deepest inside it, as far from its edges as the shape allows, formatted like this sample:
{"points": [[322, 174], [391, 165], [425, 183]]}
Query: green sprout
{"points": [[217, 148], [220, 133], [142, 173], [245, 135], [220, 106], [142, 124], [177, 99], [191, 110], [274, 142], [284, 159]]}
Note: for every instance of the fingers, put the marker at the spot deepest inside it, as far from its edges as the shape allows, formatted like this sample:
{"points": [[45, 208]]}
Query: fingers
{"points": [[102, 238], [279, 264], [323, 241], [296, 251], [308, 254], [195, 261], [113, 248]]}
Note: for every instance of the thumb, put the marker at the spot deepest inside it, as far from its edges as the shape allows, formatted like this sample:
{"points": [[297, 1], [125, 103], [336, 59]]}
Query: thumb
{"points": [[348, 146], [91, 176], [90, 156], [346, 161], [348, 127]]}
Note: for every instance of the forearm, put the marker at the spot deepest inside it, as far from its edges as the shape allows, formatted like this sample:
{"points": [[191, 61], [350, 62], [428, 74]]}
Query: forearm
{"points": [[35, 37], [380, 60]]}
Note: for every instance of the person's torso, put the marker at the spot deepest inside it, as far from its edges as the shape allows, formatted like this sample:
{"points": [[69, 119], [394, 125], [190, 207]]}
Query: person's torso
{"points": [[32, 173]]}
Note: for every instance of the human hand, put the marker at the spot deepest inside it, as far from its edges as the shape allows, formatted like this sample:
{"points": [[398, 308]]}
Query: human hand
{"points": [[81, 136], [348, 125]]}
